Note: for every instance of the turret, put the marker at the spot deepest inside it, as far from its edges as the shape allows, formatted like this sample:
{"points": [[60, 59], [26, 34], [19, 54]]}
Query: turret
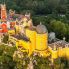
{"points": [[3, 12], [41, 37], [28, 15]]}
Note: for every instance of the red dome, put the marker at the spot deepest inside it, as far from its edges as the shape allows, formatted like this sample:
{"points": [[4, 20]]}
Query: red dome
{"points": [[12, 24], [4, 27]]}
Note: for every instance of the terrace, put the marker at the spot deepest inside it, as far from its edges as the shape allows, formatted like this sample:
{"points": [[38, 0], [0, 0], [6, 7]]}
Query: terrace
{"points": [[60, 43], [21, 37]]}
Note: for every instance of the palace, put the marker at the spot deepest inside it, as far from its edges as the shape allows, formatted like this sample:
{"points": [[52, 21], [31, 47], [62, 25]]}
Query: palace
{"points": [[29, 38]]}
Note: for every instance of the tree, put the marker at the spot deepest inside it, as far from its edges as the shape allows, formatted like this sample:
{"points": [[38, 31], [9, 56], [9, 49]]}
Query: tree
{"points": [[59, 28]]}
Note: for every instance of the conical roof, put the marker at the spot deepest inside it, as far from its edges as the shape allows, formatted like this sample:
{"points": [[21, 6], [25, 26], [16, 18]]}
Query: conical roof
{"points": [[41, 29]]}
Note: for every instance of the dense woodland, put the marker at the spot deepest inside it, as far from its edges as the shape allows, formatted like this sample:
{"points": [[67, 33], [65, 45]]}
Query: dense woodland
{"points": [[38, 6], [52, 13]]}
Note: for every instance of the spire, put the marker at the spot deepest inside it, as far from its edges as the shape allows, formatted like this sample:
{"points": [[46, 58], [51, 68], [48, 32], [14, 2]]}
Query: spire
{"points": [[40, 23], [64, 38], [55, 47]]}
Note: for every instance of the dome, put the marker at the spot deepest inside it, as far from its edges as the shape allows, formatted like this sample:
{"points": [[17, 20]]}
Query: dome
{"points": [[52, 36], [41, 29]]}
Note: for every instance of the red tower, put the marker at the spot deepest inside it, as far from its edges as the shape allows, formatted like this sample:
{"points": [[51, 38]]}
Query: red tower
{"points": [[3, 13], [3, 25]]}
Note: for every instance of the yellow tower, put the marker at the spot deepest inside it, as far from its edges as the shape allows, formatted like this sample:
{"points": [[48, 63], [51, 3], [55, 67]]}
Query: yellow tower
{"points": [[42, 41], [41, 38]]}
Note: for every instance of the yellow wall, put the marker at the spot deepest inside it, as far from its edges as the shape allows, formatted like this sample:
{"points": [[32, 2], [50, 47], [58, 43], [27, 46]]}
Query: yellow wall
{"points": [[25, 45], [41, 41], [61, 52], [18, 28], [67, 52], [54, 54], [32, 35], [11, 32]]}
